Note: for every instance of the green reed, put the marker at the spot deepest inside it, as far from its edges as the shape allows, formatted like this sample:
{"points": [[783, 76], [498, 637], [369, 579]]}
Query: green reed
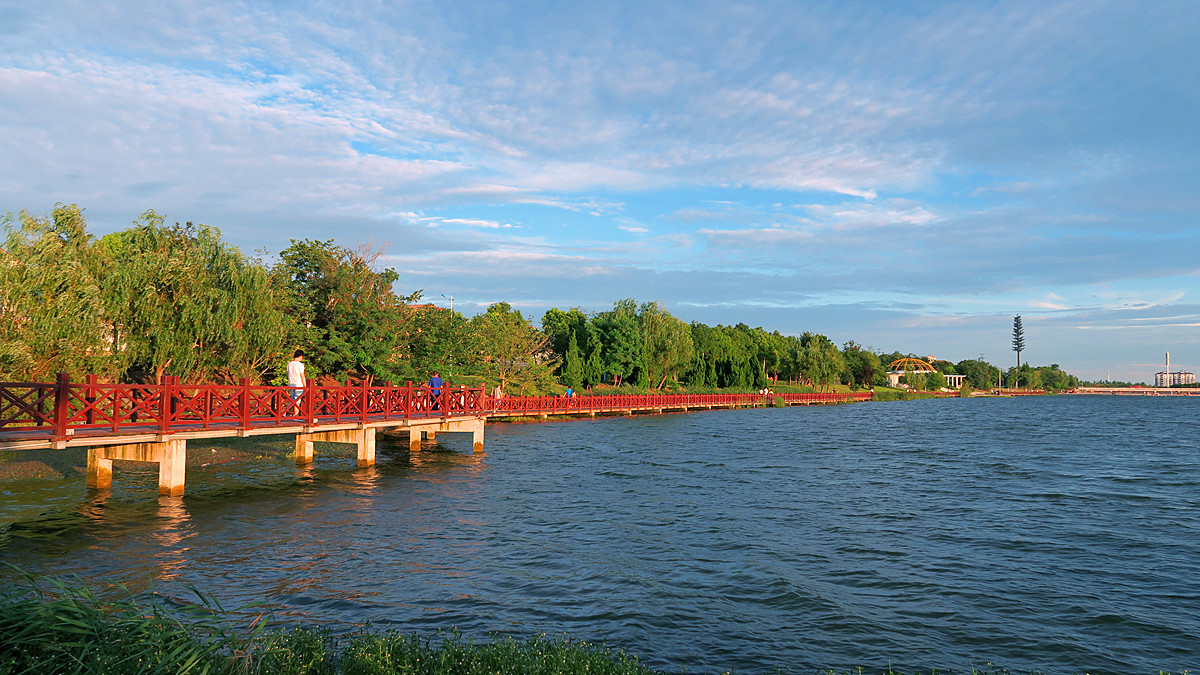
{"points": [[47, 627]]}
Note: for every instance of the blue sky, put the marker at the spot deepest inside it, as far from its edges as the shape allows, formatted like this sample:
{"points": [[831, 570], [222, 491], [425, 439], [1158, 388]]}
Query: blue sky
{"points": [[908, 175]]}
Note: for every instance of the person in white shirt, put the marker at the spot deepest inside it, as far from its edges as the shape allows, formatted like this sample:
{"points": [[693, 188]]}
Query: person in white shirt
{"points": [[295, 374]]}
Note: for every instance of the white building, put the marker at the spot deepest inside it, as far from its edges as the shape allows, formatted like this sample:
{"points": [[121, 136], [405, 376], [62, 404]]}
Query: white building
{"points": [[1166, 378], [1169, 379]]}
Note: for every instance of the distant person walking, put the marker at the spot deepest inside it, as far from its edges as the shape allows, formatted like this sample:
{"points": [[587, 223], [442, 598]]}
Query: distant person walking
{"points": [[435, 389], [295, 377]]}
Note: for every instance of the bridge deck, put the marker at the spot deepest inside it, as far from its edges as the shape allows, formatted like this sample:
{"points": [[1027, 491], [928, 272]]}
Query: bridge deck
{"points": [[152, 423], [65, 414]]}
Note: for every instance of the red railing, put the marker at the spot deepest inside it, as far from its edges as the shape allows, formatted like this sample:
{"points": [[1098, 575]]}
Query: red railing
{"points": [[63, 409], [560, 405]]}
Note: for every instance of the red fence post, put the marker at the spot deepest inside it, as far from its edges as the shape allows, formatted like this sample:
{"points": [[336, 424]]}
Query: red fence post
{"points": [[244, 403], [62, 405], [90, 397], [364, 397], [308, 404], [165, 405]]}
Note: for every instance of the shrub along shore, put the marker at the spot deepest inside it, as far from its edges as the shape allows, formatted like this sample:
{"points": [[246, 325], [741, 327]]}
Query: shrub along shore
{"points": [[49, 627]]}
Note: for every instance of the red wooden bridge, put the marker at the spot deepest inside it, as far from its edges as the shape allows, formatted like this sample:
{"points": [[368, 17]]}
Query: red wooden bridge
{"points": [[152, 423]]}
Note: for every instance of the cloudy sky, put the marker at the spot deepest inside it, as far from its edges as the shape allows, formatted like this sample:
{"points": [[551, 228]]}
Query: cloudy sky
{"points": [[908, 175]]}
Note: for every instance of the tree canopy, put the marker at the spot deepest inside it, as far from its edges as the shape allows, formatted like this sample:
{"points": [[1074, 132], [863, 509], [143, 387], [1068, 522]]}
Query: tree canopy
{"points": [[157, 299]]}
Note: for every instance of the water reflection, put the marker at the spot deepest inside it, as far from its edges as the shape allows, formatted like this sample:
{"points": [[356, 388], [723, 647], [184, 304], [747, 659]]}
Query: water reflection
{"points": [[306, 473], [174, 528], [440, 458], [365, 481], [95, 506]]}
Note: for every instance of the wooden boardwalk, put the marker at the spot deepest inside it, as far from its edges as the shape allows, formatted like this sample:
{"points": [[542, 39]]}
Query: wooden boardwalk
{"points": [[152, 423]]}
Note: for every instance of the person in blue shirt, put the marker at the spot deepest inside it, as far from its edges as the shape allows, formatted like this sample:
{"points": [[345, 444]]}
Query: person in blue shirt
{"points": [[435, 388]]}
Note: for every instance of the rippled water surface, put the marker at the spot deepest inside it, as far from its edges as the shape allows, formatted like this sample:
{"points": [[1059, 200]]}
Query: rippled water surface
{"points": [[1060, 534]]}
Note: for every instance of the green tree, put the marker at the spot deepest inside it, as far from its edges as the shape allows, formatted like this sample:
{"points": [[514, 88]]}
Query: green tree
{"points": [[621, 337], [1053, 378], [593, 368], [935, 380], [182, 301], [666, 344], [559, 325], [711, 347], [573, 365], [438, 339], [944, 367], [515, 353], [861, 365], [980, 374], [915, 380], [821, 360], [347, 310], [772, 350], [51, 311]]}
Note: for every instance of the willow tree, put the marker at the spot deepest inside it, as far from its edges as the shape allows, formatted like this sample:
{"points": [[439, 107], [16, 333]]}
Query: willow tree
{"points": [[666, 344], [821, 360], [51, 315], [183, 302]]}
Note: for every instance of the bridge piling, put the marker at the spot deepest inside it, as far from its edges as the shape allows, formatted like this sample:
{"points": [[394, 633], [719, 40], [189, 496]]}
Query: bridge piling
{"points": [[477, 436], [362, 438], [170, 455]]}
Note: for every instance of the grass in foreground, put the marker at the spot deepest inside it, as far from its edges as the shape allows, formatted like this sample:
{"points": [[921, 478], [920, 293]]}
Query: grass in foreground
{"points": [[49, 628]]}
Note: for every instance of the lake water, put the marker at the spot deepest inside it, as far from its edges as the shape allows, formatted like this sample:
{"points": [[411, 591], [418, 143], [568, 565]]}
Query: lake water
{"points": [[1058, 534]]}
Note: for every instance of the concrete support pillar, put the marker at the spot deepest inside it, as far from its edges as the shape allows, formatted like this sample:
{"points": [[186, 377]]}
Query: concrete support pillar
{"points": [[414, 440], [430, 435], [170, 455], [366, 448], [477, 437], [99, 470], [363, 439], [304, 449], [172, 465]]}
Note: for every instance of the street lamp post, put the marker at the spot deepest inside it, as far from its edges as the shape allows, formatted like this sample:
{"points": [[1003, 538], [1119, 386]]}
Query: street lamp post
{"points": [[451, 299]]}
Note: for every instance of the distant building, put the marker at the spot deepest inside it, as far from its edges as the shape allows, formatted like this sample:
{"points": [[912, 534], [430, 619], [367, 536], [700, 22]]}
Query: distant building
{"points": [[1169, 379], [1166, 378]]}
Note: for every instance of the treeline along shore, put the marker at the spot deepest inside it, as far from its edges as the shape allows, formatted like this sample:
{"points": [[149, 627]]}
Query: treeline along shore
{"points": [[158, 299]]}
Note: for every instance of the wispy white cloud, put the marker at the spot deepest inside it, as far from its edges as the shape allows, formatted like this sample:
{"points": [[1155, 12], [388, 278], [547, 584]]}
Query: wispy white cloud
{"points": [[475, 222]]}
